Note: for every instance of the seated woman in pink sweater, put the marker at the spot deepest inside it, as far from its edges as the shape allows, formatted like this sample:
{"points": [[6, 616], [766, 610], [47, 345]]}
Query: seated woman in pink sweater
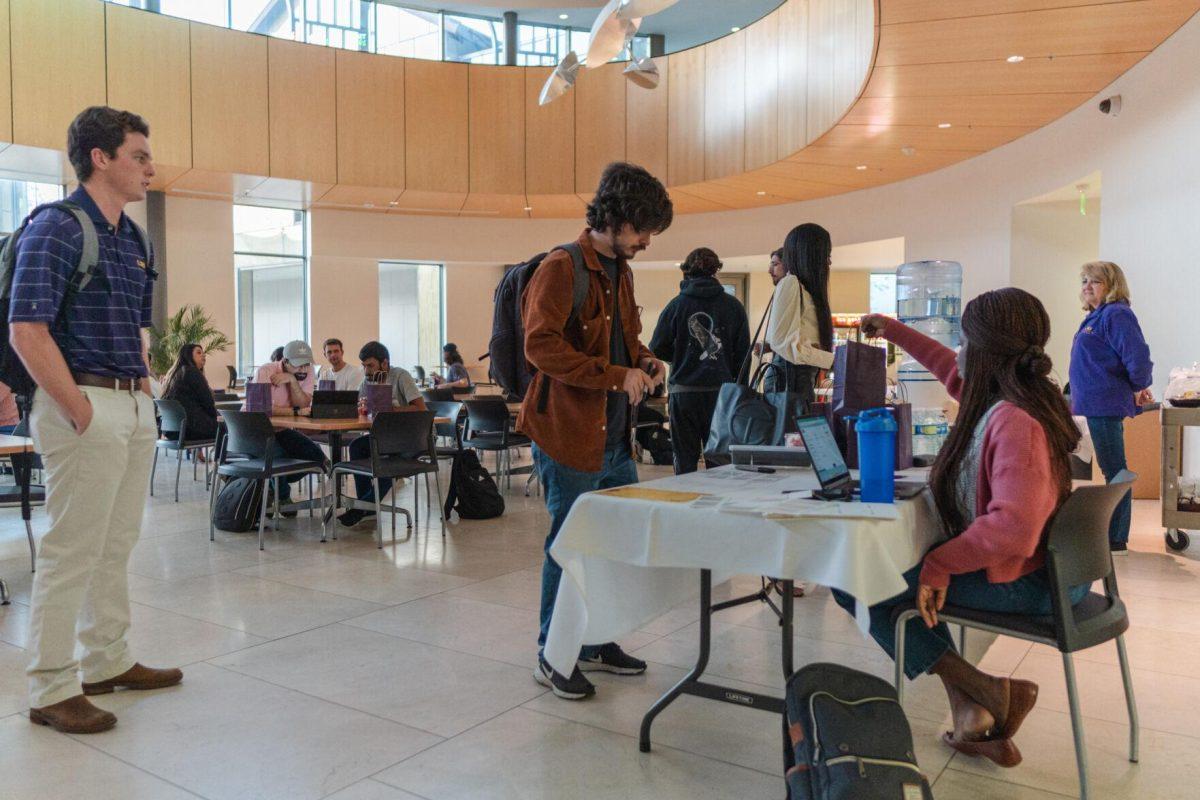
{"points": [[997, 483]]}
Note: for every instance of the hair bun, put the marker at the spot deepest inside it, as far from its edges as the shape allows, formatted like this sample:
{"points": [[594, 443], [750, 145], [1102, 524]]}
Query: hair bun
{"points": [[1035, 361]]}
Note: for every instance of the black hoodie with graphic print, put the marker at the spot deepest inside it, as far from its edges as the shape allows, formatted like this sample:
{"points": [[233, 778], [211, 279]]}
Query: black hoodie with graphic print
{"points": [[703, 334]]}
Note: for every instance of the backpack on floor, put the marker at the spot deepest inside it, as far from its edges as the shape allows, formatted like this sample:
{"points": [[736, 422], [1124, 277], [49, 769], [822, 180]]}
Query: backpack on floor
{"points": [[239, 505], [653, 436], [507, 365], [847, 738], [472, 492]]}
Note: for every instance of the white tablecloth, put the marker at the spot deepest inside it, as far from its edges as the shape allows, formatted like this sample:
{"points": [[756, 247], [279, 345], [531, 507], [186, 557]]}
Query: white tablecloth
{"points": [[627, 560]]}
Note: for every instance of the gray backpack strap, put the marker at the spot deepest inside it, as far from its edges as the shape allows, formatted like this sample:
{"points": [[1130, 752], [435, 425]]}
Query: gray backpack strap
{"points": [[147, 248], [89, 256], [582, 282]]}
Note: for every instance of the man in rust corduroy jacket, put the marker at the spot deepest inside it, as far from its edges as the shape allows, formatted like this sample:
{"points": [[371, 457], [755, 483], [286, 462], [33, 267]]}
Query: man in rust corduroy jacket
{"points": [[591, 367]]}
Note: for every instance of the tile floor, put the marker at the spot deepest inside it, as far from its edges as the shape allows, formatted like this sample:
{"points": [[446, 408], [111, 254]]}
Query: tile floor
{"points": [[342, 671]]}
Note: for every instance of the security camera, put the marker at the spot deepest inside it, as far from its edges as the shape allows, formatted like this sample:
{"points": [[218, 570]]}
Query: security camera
{"points": [[1111, 105]]}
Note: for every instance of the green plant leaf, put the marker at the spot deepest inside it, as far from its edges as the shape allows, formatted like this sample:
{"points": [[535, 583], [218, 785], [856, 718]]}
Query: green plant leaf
{"points": [[191, 323]]}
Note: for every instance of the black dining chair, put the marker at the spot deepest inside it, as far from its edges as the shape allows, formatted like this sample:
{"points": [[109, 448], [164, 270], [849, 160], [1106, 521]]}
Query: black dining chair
{"points": [[437, 395], [489, 428], [173, 420], [234, 380], [23, 465], [245, 451], [401, 447], [1077, 553], [452, 410]]}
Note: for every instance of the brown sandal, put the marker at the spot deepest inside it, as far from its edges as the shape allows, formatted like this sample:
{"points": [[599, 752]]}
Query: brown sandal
{"points": [[1022, 697], [1002, 752]]}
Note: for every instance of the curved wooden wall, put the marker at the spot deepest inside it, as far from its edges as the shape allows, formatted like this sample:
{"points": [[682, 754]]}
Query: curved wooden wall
{"points": [[236, 114]]}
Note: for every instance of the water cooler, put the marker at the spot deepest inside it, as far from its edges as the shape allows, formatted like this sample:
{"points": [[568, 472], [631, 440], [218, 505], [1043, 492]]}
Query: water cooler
{"points": [[928, 299]]}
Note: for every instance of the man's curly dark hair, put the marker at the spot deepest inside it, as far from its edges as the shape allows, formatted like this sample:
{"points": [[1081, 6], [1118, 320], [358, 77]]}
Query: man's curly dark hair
{"points": [[629, 194], [701, 263]]}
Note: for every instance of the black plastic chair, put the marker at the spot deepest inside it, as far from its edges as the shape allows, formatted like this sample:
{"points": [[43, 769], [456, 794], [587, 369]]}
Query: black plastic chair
{"points": [[401, 447], [245, 451], [452, 430], [489, 428], [1077, 552], [173, 420], [23, 465], [234, 380], [418, 372], [437, 395]]}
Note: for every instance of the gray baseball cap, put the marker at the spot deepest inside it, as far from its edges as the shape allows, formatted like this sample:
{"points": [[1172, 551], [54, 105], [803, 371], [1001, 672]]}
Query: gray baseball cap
{"points": [[298, 353]]}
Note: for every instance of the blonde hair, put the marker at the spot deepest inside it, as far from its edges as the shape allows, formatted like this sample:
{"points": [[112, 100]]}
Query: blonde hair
{"points": [[1114, 281]]}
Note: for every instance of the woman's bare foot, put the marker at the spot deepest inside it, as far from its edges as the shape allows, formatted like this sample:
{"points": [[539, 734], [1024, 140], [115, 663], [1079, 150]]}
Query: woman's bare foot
{"points": [[972, 722]]}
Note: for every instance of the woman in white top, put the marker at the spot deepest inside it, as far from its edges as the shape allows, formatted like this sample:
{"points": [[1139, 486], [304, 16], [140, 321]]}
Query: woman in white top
{"points": [[799, 325]]}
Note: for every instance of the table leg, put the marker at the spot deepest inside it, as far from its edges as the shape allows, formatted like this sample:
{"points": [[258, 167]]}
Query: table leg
{"points": [[3, 593], [335, 455]]}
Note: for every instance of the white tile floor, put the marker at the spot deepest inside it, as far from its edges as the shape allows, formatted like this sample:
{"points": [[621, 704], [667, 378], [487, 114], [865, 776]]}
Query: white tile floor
{"points": [[338, 670]]}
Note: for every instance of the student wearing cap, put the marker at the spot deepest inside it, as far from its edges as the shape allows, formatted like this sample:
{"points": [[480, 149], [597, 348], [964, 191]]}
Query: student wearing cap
{"points": [[292, 380], [457, 379]]}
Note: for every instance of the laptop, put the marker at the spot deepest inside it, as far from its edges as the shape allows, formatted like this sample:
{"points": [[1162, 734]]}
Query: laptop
{"points": [[334, 404], [830, 467]]}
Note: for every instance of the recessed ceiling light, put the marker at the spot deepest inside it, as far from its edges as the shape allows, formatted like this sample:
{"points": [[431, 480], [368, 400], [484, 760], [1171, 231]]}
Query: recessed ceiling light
{"points": [[529, 208], [562, 16], [908, 150], [1015, 59], [734, 29], [943, 124], [393, 202], [761, 194], [861, 167]]}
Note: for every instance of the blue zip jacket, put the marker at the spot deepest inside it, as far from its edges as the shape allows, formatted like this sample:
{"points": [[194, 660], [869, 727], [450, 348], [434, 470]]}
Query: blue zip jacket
{"points": [[1110, 362]]}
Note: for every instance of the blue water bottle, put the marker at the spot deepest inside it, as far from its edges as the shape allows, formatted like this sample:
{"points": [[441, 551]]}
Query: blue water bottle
{"points": [[876, 430]]}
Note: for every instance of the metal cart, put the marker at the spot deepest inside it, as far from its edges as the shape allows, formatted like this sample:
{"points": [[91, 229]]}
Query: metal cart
{"points": [[1174, 420]]}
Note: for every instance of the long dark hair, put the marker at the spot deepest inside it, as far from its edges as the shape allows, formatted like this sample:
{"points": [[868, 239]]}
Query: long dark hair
{"points": [[183, 362], [1005, 331], [806, 255]]}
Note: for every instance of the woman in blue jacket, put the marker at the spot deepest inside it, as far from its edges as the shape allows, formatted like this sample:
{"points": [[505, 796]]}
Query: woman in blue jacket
{"points": [[1111, 373]]}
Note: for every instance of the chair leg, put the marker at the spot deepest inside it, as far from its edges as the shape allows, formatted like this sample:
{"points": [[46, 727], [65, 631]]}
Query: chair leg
{"points": [[262, 518], [416, 504], [196, 463], [212, 505], [1131, 704], [1076, 725], [153, 469], [378, 515], [33, 547], [178, 469], [901, 630], [962, 640], [321, 489], [437, 479]]}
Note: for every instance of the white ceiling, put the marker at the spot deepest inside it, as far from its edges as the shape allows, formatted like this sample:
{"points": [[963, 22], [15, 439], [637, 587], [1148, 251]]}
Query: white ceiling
{"points": [[685, 24], [1088, 185]]}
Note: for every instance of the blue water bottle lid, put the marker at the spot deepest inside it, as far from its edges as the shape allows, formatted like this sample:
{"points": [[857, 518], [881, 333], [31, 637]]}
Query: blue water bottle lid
{"points": [[876, 420]]}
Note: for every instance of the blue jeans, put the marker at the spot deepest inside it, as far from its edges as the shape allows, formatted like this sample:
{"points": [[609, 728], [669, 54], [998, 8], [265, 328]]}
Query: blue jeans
{"points": [[923, 646], [562, 485], [1108, 439]]}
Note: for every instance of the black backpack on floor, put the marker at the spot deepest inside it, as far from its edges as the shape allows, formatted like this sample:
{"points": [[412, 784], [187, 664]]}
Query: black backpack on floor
{"points": [[507, 365], [653, 436], [847, 738], [472, 493], [239, 505]]}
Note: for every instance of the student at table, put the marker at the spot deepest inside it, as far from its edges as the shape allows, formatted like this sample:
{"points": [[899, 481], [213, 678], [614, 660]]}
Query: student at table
{"points": [[997, 483], [9, 414], [377, 365], [457, 379], [292, 380], [591, 367], [346, 377], [185, 383]]}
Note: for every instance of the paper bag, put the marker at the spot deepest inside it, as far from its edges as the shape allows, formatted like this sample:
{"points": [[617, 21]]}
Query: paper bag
{"points": [[859, 378], [258, 397], [379, 398]]}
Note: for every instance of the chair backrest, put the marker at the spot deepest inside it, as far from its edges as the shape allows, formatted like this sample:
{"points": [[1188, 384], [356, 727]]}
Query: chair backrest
{"points": [[172, 415], [435, 395], [486, 416], [446, 408], [418, 373], [402, 433], [1077, 552], [249, 433], [232, 376]]}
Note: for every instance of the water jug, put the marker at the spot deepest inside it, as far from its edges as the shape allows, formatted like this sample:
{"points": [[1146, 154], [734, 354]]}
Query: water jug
{"points": [[877, 455], [929, 299]]}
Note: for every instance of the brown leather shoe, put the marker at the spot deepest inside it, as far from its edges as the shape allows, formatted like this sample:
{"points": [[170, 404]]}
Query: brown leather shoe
{"points": [[76, 715], [136, 677]]}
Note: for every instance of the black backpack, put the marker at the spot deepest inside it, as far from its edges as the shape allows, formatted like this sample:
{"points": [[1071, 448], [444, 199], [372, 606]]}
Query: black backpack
{"points": [[847, 738], [472, 492], [12, 370], [508, 367], [239, 505], [653, 436]]}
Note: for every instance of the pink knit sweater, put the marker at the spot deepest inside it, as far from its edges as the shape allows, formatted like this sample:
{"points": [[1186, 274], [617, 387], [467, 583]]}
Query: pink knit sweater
{"points": [[1016, 493]]}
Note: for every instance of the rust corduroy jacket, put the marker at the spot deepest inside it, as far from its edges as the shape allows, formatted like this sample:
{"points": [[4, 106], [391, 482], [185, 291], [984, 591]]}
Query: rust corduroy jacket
{"points": [[573, 373]]}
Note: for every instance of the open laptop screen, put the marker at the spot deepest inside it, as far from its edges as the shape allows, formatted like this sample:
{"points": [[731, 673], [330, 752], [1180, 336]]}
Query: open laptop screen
{"points": [[827, 460]]}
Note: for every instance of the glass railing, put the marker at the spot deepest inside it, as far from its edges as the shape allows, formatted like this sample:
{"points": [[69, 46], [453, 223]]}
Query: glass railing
{"points": [[372, 27]]}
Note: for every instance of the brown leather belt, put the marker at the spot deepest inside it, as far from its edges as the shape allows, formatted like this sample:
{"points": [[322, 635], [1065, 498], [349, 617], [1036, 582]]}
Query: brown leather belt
{"points": [[105, 382]]}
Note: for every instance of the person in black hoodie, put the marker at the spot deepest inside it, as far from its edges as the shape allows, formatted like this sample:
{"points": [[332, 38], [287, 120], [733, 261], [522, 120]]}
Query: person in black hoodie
{"points": [[704, 335], [186, 383]]}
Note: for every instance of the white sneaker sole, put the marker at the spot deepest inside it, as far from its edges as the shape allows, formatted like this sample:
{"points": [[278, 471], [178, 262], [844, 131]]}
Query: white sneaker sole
{"points": [[597, 666], [541, 678]]}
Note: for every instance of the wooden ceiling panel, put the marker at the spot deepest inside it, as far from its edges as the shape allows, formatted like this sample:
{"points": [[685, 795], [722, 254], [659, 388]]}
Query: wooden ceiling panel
{"points": [[1089, 73], [370, 120], [646, 123], [685, 202], [600, 110], [556, 206], [435, 127], [1106, 28], [896, 11], [497, 130], [549, 139], [1028, 110], [919, 162], [510, 206], [418, 201], [348, 196], [923, 137]]}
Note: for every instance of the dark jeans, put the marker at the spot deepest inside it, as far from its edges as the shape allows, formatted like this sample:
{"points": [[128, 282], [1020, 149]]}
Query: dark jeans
{"points": [[562, 485], [691, 417], [1029, 595], [1108, 439], [293, 444], [361, 448], [798, 378]]}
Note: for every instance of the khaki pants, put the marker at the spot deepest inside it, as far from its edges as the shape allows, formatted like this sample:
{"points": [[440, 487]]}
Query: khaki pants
{"points": [[96, 487]]}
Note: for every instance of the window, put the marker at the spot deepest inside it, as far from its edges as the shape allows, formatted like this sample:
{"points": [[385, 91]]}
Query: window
{"points": [[475, 40], [545, 45], [18, 198], [883, 293], [270, 257], [408, 32], [411, 314]]}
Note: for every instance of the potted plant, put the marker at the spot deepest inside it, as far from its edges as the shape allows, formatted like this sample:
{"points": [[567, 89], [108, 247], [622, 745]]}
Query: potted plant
{"points": [[188, 324]]}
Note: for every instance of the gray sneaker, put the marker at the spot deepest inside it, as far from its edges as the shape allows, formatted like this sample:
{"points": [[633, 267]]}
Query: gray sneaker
{"points": [[611, 658], [575, 687]]}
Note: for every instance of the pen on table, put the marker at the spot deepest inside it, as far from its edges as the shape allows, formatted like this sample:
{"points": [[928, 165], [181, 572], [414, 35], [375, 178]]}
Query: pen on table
{"points": [[752, 468]]}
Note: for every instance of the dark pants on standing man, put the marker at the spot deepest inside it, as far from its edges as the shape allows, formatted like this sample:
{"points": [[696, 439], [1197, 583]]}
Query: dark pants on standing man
{"points": [[691, 417], [562, 486], [1108, 440]]}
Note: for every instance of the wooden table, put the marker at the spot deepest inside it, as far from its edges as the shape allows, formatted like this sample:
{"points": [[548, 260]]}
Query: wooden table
{"points": [[10, 445]]}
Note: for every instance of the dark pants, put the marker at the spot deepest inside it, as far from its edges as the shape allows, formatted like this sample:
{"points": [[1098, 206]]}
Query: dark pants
{"points": [[361, 448], [923, 646], [691, 416], [293, 444], [799, 379], [562, 486], [1108, 440]]}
